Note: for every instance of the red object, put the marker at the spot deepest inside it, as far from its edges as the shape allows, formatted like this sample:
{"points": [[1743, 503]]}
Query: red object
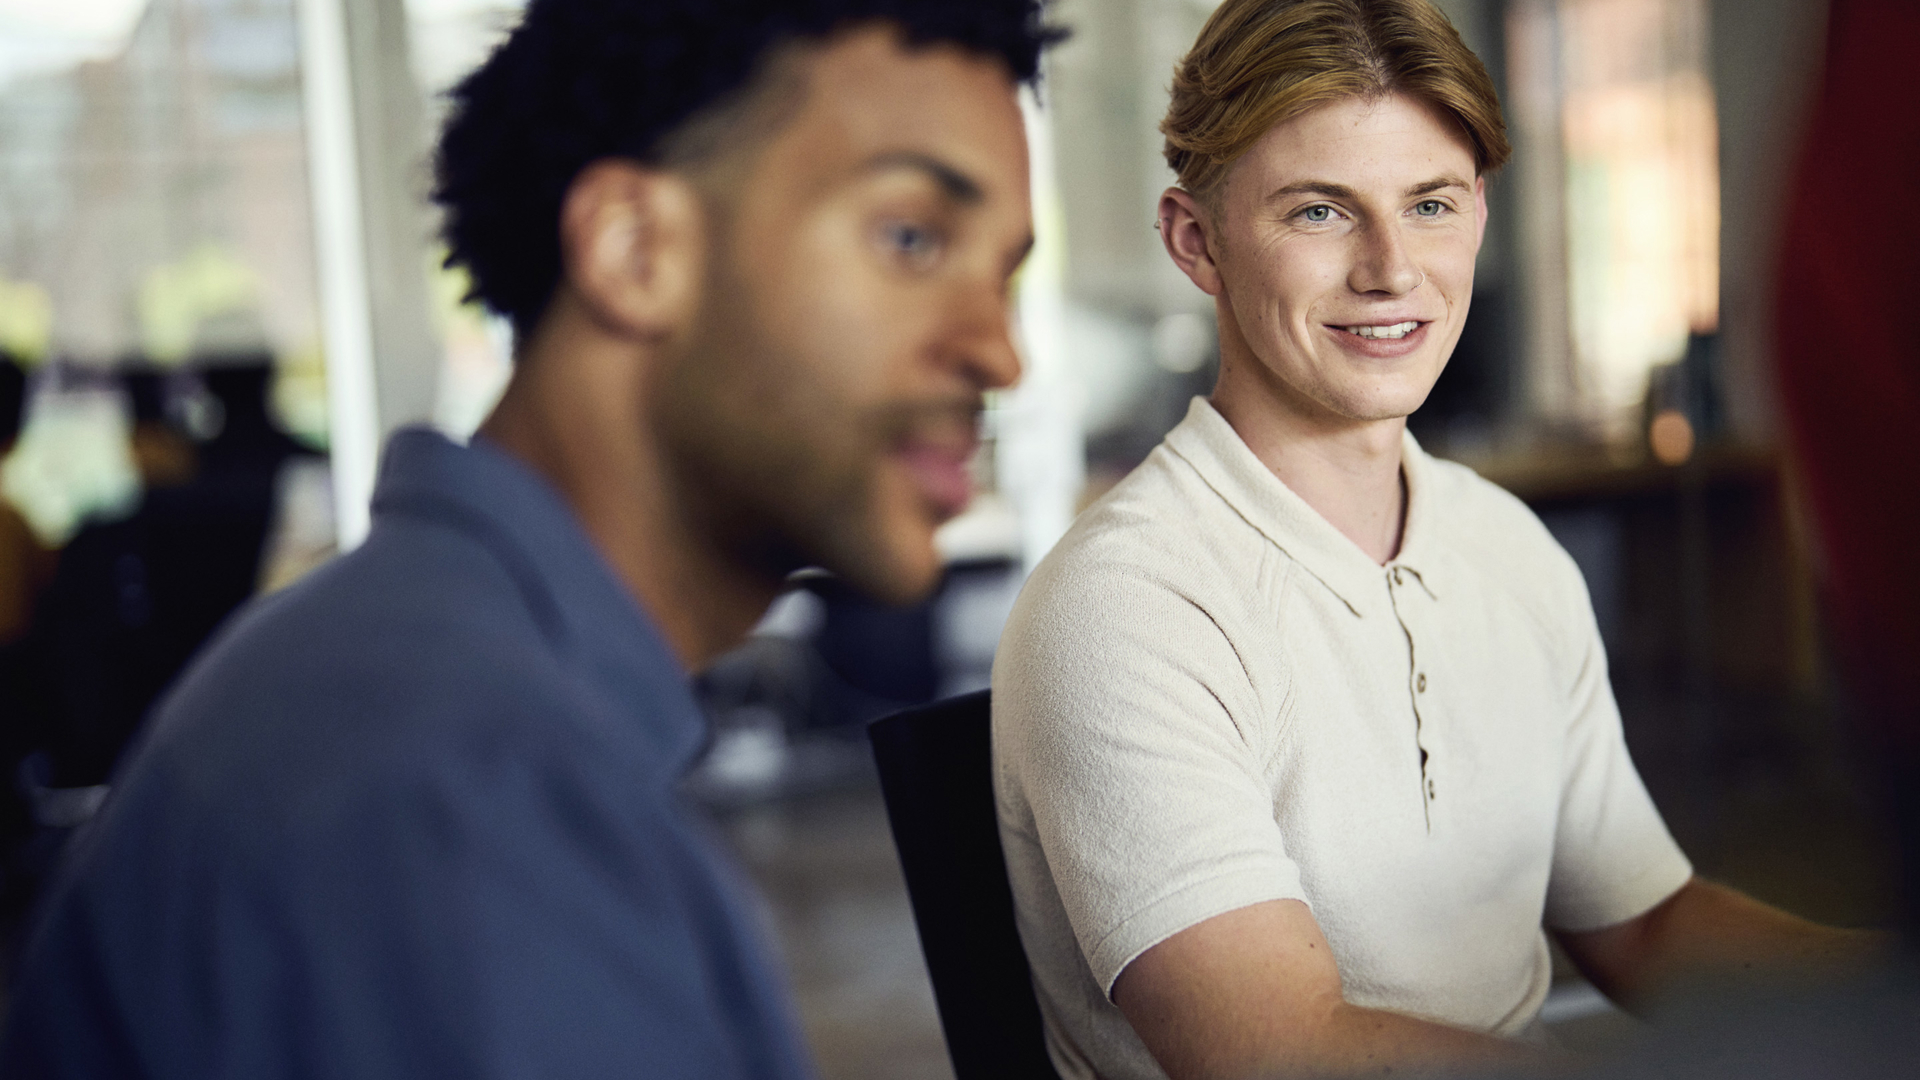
{"points": [[1849, 358]]}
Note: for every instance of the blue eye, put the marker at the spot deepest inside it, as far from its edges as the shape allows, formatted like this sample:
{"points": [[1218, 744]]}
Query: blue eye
{"points": [[916, 244], [1430, 208], [1319, 215]]}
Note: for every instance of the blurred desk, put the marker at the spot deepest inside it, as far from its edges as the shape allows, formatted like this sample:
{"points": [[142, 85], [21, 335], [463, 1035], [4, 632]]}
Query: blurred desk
{"points": [[1560, 472], [1699, 571]]}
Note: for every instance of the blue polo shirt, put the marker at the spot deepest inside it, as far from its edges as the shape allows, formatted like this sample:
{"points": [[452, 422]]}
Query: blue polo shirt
{"points": [[413, 817]]}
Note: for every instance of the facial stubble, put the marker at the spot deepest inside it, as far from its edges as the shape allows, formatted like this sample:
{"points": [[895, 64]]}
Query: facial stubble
{"points": [[777, 462]]}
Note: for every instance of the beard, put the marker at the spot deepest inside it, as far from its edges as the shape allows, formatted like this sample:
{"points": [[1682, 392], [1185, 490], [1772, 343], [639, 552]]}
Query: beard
{"points": [[783, 462]]}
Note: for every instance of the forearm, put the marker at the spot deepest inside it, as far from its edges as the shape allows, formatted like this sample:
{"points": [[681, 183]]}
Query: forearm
{"points": [[1344, 1040], [1322, 1037], [1368, 1042], [1348, 1041], [1255, 993], [1707, 931]]}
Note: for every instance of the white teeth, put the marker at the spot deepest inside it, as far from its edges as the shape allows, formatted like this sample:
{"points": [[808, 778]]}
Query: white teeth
{"points": [[1394, 332]]}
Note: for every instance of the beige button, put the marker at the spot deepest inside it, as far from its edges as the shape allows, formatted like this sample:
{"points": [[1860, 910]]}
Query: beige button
{"points": [[1420, 682]]}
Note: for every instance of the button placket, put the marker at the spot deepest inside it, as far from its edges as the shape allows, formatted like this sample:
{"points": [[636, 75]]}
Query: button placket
{"points": [[1397, 583]]}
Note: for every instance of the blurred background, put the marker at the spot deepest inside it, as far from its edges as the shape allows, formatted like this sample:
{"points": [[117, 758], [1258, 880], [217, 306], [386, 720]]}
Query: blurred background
{"points": [[220, 287]]}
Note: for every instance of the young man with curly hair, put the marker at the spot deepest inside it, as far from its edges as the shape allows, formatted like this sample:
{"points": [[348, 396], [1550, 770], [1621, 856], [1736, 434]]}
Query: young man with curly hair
{"points": [[1304, 740], [414, 816]]}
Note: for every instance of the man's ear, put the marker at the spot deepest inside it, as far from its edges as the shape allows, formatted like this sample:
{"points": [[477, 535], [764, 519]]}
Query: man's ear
{"points": [[632, 244], [1480, 204], [1182, 223]]}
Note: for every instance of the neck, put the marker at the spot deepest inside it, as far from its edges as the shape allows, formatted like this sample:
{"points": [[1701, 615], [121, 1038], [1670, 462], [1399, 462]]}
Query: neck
{"points": [[1348, 470], [576, 412]]}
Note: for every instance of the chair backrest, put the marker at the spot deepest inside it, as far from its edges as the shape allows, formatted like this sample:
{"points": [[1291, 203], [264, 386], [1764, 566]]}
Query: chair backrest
{"points": [[936, 773]]}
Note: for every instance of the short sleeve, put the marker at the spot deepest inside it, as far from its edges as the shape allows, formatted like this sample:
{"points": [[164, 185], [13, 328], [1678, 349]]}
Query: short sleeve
{"points": [[1613, 858], [1121, 720]]}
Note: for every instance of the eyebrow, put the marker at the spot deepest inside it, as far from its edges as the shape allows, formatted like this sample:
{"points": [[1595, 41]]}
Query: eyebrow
{"points": [[955, 184], [1438, 184], [1342, 191]]}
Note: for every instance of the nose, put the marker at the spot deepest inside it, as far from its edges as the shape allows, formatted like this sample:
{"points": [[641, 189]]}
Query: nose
{"points": [[982, 348], [1382, 264]]}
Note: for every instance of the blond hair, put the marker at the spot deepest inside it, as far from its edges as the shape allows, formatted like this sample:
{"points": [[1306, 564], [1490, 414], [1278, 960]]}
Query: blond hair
{"points": [[1258, 63]]}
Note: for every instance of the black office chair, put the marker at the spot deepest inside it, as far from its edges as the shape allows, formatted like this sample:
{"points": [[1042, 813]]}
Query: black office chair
{"points": [[936, 773]]}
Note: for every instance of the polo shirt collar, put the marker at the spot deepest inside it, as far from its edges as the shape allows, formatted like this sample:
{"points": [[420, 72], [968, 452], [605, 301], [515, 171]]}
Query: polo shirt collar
{"points": [[593, 624], [1208, 443]]}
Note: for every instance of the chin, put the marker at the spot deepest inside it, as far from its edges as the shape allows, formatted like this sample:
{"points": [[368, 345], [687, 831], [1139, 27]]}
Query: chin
{"points": [[894, 564], [894, 581], [1374, 409], [1387, 402]]}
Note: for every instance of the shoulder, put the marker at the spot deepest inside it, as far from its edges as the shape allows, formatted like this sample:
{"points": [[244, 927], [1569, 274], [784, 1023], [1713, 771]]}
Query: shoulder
{"points": [[333, 764], [1477, 508], [1161, 535], [1506, 547], [414, 613], [1158, 585], [377, 680], [385, 781]]}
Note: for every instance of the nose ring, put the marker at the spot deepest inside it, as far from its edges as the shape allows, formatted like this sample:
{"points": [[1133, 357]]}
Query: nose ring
{"points": [[1423, 281]]}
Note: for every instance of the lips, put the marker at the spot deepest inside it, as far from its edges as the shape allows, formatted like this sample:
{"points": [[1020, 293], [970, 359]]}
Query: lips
{"points": [[939, 472], [1382, 339], [1388, 332]]}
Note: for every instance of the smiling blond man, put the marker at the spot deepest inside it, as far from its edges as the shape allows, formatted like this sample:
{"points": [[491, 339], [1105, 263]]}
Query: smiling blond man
{"points": [[1303, 738]]}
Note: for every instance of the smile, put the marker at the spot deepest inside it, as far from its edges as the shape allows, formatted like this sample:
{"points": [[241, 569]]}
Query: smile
{"points": [[936, 450], [1393, 332]]}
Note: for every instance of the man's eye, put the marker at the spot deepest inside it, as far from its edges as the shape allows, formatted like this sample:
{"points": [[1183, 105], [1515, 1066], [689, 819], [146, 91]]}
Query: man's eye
{"points": [[916, 244], [1318, 215], [1430, 208]]}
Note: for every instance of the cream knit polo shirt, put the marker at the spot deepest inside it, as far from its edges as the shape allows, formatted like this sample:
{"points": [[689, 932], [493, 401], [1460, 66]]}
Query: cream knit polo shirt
{"points": [[1208, 697]]}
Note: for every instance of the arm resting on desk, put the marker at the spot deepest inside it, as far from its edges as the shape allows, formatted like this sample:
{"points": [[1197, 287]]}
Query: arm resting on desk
{"points": [[1707, 930], [1256, 993]]}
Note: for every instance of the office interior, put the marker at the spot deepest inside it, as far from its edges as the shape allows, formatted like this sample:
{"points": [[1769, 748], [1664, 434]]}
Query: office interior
{"points": [[220, 289]]}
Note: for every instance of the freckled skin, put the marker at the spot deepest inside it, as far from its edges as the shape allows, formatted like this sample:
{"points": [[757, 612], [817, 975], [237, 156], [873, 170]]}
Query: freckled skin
{"points": [[1359, 213], [1294, 266]]}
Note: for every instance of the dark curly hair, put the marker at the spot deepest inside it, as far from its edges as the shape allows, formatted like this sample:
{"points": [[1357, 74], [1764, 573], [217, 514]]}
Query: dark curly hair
{"points": [[581, 80]]}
